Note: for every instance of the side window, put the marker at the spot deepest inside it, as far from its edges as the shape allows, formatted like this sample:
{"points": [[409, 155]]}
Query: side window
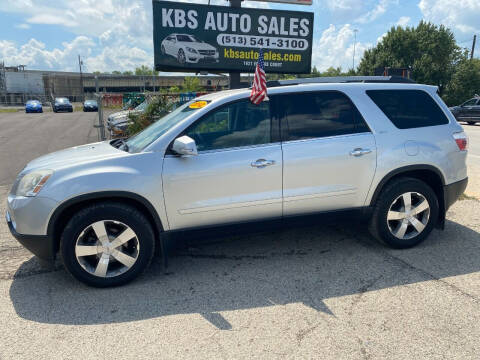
{"points": [[233, 125], [319, 114], [408, 109]]}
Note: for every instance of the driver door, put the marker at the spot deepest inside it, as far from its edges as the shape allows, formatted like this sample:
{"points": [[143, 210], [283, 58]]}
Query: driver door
{"points": [[237, 174]]}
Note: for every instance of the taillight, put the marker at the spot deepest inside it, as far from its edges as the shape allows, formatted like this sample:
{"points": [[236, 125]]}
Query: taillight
{"points": [[462, 140]]}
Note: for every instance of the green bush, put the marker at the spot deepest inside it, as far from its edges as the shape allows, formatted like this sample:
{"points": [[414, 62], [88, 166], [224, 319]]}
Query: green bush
{"points": [[158, 107]]}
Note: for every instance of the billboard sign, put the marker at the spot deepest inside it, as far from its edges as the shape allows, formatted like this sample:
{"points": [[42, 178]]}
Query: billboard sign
{"points": [[190, 37], [295, 2]]}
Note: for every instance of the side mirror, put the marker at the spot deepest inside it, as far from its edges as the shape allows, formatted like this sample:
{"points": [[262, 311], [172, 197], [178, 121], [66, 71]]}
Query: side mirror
{"points": [[185, 145]]}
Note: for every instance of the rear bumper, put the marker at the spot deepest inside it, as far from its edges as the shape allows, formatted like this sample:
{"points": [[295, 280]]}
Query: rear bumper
{"points": [[40, 245], [452, 192]]}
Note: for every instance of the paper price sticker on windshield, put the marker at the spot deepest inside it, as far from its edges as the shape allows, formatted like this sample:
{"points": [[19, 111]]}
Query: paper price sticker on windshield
{"points": [[198, 105]]}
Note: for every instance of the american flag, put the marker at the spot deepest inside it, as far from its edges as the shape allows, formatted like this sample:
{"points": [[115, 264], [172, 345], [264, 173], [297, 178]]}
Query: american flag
{"points": [[259, 88]]}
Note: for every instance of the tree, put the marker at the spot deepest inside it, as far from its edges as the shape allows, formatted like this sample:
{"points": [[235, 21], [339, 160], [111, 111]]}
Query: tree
{"points": [[116, 72], [174, 90], [191, 84], [465, 82], [430, 50], [145, 70], [158, 106], [128, 72]]}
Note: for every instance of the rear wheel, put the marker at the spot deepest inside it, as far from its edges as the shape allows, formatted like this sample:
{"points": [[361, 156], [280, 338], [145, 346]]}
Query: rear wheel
{"points": [[405, 213], [107, 244]]}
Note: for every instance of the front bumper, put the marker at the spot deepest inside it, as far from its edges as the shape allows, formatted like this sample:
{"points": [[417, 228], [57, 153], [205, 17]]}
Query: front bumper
{"points": [[27, 220], [63, 108], [452, 192], [41, 246], [198, 58]]}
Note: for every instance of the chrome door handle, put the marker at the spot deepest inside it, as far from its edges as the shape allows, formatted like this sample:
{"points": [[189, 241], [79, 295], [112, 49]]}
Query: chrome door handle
{"points": [[261, 163], [360, 152]]}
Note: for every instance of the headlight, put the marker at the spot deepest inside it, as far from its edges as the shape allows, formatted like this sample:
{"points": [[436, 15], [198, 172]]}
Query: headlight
{"points": [[30, 184], [189, 49]]}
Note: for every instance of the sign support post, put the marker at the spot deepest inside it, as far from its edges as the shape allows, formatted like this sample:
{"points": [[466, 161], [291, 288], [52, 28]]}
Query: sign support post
{"points": [[235, 75]]}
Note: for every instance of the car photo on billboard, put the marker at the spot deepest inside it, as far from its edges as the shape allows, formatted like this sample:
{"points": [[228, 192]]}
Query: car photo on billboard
{"points": [[188, 49]]}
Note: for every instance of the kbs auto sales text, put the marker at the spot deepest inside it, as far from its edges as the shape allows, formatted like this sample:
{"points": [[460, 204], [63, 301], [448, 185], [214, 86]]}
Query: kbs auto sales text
{"points": [[226, 21]]}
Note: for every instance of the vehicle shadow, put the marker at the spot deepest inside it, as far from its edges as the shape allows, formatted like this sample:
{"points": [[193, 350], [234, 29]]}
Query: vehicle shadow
{"points": [[306, 265]]}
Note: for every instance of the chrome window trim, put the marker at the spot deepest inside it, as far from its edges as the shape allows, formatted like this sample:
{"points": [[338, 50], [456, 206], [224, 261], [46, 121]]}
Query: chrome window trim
{"points": [[325, 137], [238, 148]]}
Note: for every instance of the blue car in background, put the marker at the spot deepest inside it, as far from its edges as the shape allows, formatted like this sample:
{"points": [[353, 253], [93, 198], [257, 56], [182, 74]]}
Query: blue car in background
{"points": [[33, 106]]}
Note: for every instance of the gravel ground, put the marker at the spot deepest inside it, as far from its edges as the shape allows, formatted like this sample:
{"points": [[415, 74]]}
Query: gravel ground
{"points": [[327, 292]]}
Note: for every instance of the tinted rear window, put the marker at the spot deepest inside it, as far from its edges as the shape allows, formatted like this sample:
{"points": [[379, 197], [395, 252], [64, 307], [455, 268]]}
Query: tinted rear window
{"points": [[408, 109], [318, 114]]}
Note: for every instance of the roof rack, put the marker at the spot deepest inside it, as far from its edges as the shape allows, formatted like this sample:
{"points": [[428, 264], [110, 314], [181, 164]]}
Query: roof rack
{"points": [[341, 79]]}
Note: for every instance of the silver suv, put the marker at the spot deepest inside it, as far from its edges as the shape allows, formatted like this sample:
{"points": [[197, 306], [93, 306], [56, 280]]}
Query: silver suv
{"points": [[392, 152]]}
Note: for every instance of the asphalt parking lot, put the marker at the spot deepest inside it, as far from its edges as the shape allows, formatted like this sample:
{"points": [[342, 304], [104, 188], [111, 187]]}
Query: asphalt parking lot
{"points": [[327, 291]]}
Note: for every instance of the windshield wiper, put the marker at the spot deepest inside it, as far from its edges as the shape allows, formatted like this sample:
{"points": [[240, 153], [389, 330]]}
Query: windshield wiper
{"points": [[120, 144], [123, 146]]}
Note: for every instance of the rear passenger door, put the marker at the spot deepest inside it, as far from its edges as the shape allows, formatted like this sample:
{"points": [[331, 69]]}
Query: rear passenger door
{"points": [[329, 153]]}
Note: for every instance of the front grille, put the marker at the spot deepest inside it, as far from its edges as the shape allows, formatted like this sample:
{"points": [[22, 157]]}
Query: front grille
{"points": [[206, 52]]}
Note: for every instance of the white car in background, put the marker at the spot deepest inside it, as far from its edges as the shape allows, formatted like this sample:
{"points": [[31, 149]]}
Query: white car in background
{"points": [[189, 49], [119, 121]]}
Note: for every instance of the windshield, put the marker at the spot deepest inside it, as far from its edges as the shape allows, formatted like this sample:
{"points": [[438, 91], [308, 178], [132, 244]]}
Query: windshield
{"points": [[195, 39], [33, 102], [91, 102], [161, 126], [142, 106], [61, 100], [184, 38]]}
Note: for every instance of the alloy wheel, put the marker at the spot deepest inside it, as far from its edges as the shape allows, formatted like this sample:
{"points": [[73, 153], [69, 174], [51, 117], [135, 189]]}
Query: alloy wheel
{"points": [[408, 215], [107, 248], [181, 57]]}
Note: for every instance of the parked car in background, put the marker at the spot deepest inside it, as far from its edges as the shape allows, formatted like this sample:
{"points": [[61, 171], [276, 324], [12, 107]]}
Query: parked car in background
{"points": [[62, 104], [90, 105], [468, 112], [33, 106], [189, 49], [118, 122], [390, 152]]}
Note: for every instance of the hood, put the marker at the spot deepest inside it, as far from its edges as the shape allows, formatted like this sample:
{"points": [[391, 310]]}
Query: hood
{"points": [[74, 156], [119, 114], [199, 46]]}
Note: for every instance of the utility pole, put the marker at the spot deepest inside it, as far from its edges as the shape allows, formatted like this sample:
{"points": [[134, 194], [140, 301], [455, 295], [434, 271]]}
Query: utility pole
{"points": [[473, 46], [235, 75], [354, 47], [100, 126], [80, 63]]}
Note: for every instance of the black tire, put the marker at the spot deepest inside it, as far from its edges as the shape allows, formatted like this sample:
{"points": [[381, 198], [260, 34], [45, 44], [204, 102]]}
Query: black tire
{"points": [[379, 225], [127, 215], [181, 57], [471, 122], [71, 110]]}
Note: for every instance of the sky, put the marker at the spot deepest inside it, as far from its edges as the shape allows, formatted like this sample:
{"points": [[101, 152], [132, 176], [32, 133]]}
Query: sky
{"points": [[117, 34]]}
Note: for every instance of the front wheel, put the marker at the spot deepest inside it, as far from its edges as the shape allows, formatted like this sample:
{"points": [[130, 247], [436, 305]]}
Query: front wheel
{"points": [[405, 213], [107, 244], [181, 57]]}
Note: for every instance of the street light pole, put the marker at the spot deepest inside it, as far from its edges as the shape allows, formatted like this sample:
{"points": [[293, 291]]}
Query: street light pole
{"points": [[235, 75], [80, 63], [354, 47]]}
